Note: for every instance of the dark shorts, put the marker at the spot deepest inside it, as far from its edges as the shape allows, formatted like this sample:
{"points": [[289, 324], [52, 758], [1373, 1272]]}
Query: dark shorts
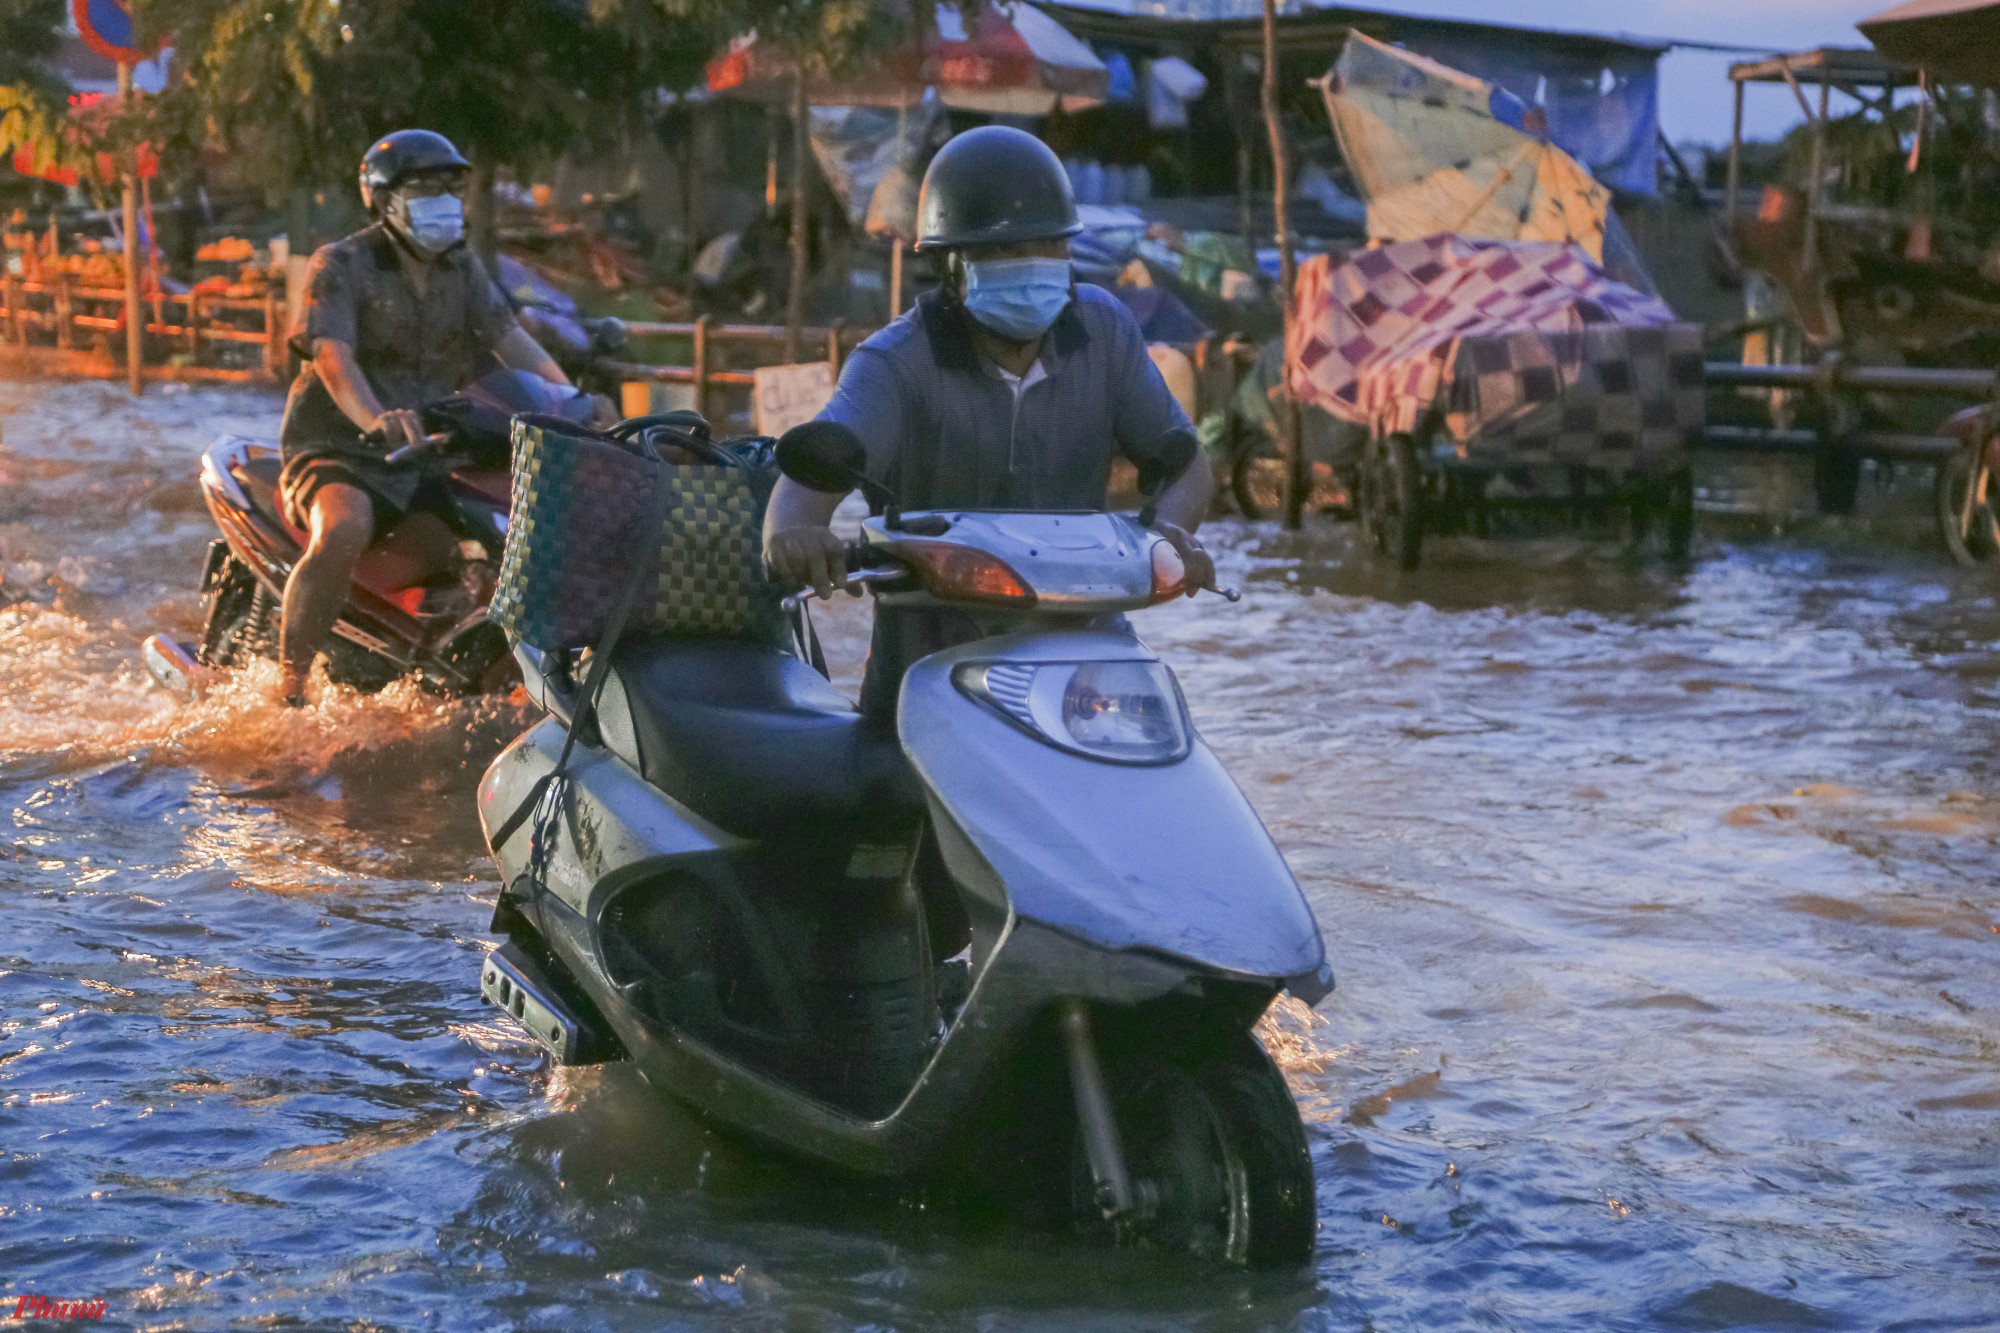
{"points": [[394, 489]]}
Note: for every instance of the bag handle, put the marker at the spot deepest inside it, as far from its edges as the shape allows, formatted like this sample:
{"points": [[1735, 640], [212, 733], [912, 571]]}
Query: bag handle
{"points": [[805, 639]]}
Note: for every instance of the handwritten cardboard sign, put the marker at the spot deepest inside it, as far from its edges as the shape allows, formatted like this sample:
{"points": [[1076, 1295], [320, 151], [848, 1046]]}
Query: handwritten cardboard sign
{"points": [[786, 396]]}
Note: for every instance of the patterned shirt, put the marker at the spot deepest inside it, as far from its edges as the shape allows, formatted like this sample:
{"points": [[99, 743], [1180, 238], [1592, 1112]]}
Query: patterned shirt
{"points": [[413, 348], [945, 430]]}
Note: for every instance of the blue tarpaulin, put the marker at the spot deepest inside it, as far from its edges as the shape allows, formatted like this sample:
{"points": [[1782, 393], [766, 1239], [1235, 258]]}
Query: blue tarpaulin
{"points": [[1602, 111]]}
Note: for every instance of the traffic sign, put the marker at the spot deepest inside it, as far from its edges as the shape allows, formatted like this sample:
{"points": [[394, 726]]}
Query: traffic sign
{"points": [[106, 28]]}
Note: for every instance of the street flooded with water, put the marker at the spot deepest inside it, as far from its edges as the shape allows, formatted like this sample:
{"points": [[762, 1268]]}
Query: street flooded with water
{"points": [[1665, 907]]}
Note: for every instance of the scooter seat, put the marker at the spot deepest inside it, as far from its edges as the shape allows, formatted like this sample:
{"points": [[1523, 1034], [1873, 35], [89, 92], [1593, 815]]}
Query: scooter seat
{"points": [[750, 738]]}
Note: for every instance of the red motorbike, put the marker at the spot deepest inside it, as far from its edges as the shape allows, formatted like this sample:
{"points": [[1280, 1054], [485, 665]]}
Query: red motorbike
{"points": [[417, 604]]}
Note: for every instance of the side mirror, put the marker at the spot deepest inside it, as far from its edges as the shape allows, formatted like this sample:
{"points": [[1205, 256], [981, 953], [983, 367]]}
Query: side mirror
{"points": [[828, 457], [823, 456]]}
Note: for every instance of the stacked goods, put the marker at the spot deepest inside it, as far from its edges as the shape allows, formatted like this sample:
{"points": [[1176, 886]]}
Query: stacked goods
{"points": [[242, 269], [228, 250]]}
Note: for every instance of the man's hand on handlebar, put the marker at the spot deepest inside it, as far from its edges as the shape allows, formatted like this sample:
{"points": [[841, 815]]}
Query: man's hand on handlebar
{"points": [[397, 428], [1195, 559], [809, 555]]}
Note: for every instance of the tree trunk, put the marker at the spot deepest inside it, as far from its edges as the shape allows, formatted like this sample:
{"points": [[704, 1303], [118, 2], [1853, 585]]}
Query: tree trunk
{"points": [[480, 223], [1290, 427], [690, 147], [298, 218], [795, 290], [135, 317]]}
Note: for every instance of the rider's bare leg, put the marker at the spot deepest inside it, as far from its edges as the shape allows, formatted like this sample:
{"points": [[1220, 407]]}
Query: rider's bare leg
{"points": [[343, 523], [420, 548]]}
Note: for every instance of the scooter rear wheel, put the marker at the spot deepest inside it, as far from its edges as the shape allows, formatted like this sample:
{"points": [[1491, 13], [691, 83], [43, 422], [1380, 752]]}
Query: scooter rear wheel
{"points": [[1217, 1155]]}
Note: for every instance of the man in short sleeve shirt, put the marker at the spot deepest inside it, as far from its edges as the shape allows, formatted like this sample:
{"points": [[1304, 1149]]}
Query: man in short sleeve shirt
{"points": [[1010, 387], [397, 315]]}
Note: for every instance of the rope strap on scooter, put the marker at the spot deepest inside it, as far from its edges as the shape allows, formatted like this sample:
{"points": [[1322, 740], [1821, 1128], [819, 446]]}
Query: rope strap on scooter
{"points": [[586, 704]]}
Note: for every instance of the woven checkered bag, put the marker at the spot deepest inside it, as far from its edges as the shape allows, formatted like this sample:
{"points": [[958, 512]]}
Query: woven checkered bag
{"points": [[586, 506], [711, 558]]}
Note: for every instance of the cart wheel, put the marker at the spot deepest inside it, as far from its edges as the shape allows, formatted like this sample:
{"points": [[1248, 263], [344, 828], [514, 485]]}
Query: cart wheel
{"points": [[1967, 497], [1391, 500], [1261, 474], [1258, 479]]}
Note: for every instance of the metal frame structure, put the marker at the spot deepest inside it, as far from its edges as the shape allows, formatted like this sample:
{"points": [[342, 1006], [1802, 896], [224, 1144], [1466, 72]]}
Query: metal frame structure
{"points": [[1853, 71]]}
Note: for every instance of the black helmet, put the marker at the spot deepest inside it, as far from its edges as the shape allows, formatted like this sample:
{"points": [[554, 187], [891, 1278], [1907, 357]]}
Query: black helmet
{"points": [[394, 156], [994, 186]]}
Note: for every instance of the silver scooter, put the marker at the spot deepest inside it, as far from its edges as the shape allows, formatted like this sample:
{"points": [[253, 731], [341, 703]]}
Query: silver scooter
{"points": [[1022, 938]]}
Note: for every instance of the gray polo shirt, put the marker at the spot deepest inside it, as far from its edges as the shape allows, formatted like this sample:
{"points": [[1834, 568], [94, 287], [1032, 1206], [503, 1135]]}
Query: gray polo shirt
{"points": [[945, 430]]}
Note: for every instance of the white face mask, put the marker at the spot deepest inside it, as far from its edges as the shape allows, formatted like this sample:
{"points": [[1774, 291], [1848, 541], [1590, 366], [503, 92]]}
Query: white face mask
{"points": [[431, 222]]}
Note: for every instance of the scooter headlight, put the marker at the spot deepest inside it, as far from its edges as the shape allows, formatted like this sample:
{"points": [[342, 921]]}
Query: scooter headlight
{"points": [[1122, 712]]}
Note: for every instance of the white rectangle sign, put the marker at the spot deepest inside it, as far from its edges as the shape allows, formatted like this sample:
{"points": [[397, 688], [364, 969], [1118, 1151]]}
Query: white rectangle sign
{"points": [[787, 396]]}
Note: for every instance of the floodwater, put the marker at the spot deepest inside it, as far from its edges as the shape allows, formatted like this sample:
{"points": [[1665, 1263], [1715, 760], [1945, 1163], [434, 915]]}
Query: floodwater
{"points": [[1664, 906]]}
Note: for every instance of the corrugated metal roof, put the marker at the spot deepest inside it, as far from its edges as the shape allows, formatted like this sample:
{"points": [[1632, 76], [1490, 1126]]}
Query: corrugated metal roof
{"points": [[1239, 23], [1839, 64]]}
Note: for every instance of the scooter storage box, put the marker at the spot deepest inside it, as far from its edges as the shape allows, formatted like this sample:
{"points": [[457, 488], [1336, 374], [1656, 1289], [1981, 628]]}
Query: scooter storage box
{"points": [[587, 505]]}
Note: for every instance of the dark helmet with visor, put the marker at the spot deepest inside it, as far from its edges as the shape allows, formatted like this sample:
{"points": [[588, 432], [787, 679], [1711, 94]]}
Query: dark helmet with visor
{"points": [[394, 156], [994, 186]]}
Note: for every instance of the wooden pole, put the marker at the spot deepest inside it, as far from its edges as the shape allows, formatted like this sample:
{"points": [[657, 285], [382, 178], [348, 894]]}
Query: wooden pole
{"points": [[690, 131], [1299, 477], [481, 210], [771, 163], [1816, 170], [701, 365], [795, 290], [1734, 180], [135, 321], [895, 276]]}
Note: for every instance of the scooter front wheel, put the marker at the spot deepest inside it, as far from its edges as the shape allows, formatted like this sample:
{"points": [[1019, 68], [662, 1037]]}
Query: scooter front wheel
{"points": [[1217, 1156]]}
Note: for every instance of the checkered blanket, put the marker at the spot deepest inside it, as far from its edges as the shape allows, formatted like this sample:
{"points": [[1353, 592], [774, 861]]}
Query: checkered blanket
{"points": [[1519, 351]]}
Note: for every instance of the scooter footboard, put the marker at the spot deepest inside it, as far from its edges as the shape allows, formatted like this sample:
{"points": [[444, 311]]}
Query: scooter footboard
{"points": [[1032, 968]]}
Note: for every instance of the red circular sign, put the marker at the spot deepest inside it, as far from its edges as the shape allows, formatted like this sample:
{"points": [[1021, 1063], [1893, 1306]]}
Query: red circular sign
{"points": [[106, 28]]}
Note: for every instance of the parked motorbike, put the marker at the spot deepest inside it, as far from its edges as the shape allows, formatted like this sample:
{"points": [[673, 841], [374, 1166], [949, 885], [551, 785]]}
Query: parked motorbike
{"points": [[417, 604], [1022, 936]]}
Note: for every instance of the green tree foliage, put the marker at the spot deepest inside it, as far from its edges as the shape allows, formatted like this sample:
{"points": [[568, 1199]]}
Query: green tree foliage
{"points": [[1867, 159], [35, 111], [30, 32], [834, 39], [298, 88], [286, 87]]}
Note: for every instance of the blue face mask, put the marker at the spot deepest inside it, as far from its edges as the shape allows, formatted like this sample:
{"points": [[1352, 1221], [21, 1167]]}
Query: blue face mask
{"points": [[435, 222], [1017, 298]]}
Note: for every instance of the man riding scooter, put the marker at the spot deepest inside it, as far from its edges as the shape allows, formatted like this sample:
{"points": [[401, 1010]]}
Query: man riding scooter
{"points": [[1007, 387], [397, 315]]}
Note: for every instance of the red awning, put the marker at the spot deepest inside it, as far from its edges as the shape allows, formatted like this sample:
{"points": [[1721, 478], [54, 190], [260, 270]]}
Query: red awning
{"points": [[1011, 60]]}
